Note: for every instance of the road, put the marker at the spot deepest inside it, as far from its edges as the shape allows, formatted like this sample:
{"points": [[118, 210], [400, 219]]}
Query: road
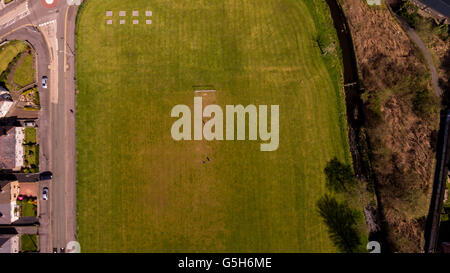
{"points": [[439, 183], [51, 32]]}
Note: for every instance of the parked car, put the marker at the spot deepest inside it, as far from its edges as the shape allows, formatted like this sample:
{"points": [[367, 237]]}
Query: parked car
{"points": [[29, 123], [45, 194], [44, 82], [45, 175]]}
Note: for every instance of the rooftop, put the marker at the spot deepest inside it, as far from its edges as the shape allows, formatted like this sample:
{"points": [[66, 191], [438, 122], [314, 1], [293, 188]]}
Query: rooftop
{"points": [[9, 243], [10, 144]]}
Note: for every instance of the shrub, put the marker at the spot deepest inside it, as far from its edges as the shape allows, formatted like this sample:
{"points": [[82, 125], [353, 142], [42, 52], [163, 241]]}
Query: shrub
{"points": [[424, 103], [339, 176]]}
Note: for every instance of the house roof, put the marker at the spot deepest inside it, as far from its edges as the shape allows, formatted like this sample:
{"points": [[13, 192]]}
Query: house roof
{"points": [[441, 6], [5, 202], [8, 243], [7, 147], [5, 214], [5, 192]]}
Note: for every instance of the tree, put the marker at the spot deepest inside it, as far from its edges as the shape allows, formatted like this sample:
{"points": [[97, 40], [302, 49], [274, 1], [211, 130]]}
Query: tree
{"points": [[341, 221], [339, 176]]}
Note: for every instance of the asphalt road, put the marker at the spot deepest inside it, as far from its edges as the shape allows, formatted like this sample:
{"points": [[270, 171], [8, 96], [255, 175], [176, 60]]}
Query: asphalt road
{"points": [[56, 132]]}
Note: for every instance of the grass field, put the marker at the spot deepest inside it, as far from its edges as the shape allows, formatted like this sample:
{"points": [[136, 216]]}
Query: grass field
{"points": [[141, 191], [28, 242], [9, 51], [25, 72]]}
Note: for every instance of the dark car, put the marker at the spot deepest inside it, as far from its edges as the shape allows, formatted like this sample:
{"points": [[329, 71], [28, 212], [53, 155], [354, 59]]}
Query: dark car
{"points": [[46, 176]]}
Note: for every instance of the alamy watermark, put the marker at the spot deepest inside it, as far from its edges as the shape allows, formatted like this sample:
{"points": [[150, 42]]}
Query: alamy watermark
{"points": [[213, 128], [73, 247]]}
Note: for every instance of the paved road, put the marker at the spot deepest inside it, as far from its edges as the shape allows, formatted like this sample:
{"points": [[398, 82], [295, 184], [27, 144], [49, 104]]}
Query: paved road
{"points": [[53, 39]]}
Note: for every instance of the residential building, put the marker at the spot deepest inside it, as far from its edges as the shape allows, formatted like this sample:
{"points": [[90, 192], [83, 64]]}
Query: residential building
{"points": [[9, 210], [6, 101], [9, 243], [11, 147]]}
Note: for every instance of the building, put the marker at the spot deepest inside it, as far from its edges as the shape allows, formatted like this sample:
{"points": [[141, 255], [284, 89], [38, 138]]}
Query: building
{"points": [[11, 147], [9, 243], [9, 210], [6, 101], [439, 9]]}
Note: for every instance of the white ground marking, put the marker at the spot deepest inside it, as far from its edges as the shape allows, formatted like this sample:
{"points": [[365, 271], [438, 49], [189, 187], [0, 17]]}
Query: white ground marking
{"points": [[109, 22], [122, 22], [135, 22], [204, 91], [15, 14], [122, 13], [109, 13], [148, 22], [47, 23], [148, 13], [135, 13]]}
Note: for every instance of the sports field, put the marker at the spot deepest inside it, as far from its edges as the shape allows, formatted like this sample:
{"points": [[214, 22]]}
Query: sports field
{"points": [[141, 191]]}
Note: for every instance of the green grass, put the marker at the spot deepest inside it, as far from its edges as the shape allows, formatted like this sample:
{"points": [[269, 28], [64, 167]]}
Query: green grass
{"points": [[28, 208], [28, 242], [25, 72], [30, 135], [140, 191], [31, 158], [9, 51]]}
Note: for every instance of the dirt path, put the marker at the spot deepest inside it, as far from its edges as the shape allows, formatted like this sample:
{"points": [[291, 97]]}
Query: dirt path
{"points": [[425, 52]]}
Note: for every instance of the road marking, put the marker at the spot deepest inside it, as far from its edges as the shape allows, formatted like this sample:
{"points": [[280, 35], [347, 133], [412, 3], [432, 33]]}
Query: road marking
{"points": [[47, 23], [18, 13], [65, 43]]}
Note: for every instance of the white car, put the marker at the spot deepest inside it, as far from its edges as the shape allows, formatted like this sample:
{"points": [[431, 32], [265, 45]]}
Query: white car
{"points": [[45, 194], [44, 82]]}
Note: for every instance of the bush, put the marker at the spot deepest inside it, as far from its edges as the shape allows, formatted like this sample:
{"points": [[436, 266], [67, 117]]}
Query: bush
{"points": [[424, 103], [339, 176]]}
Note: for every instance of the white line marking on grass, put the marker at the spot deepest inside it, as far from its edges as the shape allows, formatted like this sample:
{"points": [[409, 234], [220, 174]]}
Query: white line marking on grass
{"points": [[148, 13], [122, 13], [205, 91], [109, 22], [109, 13], [135, 13], [148, 22], [122, 22]]}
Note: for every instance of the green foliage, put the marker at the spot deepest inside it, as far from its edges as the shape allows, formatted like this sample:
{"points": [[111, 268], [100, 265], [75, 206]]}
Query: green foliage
{"points": [[425, 103], [28, 243], [339, 176], [31, 159], [25, 72], [27, 207], [341, 221], [30, 136]]}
